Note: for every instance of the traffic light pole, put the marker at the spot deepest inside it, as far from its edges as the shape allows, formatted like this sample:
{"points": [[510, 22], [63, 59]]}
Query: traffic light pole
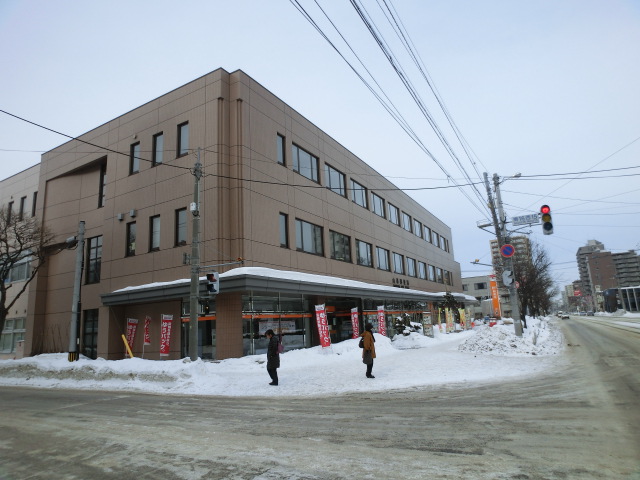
{"points": [[195, 263]]}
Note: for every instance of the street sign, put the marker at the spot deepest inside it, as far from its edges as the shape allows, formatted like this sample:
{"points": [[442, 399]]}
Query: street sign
{"points": [[507, 250], [507, 278], [530, 219]]}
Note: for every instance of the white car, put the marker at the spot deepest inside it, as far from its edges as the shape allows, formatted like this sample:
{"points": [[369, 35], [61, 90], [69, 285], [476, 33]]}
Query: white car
{"points": [[564, 316]]}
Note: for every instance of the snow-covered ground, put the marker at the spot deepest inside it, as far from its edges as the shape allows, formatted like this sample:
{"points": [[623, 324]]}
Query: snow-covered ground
{"points": [[413, 361]]}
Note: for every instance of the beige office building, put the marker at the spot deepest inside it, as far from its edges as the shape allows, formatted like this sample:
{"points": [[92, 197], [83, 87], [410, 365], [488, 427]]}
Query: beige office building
{"points": [[312, 223]]}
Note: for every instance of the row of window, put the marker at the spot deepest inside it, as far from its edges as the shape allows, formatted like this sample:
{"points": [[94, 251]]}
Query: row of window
{"points": [[22, 208], [306, 164], [157, 152], [310, 239]]}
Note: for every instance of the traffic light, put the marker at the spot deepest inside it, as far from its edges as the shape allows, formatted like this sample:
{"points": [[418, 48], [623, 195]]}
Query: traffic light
{"points": [[545, 216], [213, 282]]}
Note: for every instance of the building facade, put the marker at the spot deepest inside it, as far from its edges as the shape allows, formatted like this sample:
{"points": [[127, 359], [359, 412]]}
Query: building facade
{"points": [[302, 213], [479, 288]]}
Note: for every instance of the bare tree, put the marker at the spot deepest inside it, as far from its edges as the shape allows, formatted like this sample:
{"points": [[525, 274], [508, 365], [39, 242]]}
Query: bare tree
{"points": [[23, 243], [536, 287]]}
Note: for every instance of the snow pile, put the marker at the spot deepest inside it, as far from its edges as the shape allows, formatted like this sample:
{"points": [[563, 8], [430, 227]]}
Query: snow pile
{"points": [[412, 361], [542, 337]]}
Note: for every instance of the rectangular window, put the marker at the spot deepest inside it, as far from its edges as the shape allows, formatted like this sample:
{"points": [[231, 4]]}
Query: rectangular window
{"points": [[439, 276], [365, 253], [398, 263], [9, 212], [411, 267], [406, 222], [181, 226], [281, 149], [284, 230], [335, 180], [90, 334], [134, 158], [445, 244], [422, 270], [394, 214], [183, 139], [432, 273], [23, 204], [382, 256], [417, 228], [102, 188], [358, 194], [34, 203], [309, 237], [340, 246], [12, 332], [427, 234], [447, 277], [304, 163], [480, 286], [378, 205], [20, 270], [465, 287], [436, 239], [158, 149], [94, 259], [131, 239], [154, 233]]}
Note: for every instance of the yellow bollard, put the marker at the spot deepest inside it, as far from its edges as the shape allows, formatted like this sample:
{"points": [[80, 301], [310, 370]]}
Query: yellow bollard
{"points": [[126, 344]]}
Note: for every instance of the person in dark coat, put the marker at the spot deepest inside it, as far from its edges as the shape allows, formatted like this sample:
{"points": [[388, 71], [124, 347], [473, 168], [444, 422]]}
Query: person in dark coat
{"points": [[369, 348], [273, 357]]}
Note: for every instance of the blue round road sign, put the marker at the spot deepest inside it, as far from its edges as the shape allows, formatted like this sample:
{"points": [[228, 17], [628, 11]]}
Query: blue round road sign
{"points": [[507, 250]]}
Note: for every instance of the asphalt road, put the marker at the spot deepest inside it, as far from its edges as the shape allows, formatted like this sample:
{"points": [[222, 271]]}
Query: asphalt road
{"points": [[579, 421]]}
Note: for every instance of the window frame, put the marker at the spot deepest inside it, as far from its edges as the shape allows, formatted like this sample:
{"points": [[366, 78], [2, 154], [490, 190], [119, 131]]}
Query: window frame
{"points": [[134, 158], [361, 197], [313, 166], [369, 251], [158, 153], [102, 195], [281, 148], [406, 222], [422, 270], [417, 228], [394, 214], [378, 205], [431, 270], [398, 263], [154, 233], [94, 260], [131, 239], [383, 265], [180, 230], [181, 148], [34, 203], [333, 175], [337, 240], [284, 230], [412, 269], [316, 232]]}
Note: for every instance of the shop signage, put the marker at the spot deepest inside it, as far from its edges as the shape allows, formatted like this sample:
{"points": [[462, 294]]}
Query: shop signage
{"points": [[147, 333], [323, 327], [132, 326], [382, 322], [165, 335], [355, 323]]}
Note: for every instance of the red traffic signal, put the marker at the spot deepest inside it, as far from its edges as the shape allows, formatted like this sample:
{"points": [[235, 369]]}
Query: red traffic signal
{"points": [[545, 216]]}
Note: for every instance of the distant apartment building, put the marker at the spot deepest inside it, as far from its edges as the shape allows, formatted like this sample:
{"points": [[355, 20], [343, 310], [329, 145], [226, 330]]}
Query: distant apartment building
{"points": [[522, 247], [288, 217], [478, 287]]}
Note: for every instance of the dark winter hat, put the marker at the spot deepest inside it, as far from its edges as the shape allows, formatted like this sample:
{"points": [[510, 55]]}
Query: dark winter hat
{"points": [[368, 327], [269, 332]]}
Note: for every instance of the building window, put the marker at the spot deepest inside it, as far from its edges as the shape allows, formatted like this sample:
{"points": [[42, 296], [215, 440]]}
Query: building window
{"points": [[309, 237], [183, 139], [284, 230], [90, 334], [181, 226], [12, 332], [23, 203], [9, 212], [94, 259], [335, 180], [427, 234], [465, 287], [34, 203], [281, 149], [439, 276], [398, 263], [406, 222], [131, 239], [364, 251], [411, 267], [447, 277], [340, 246], [304, 163], [20, 270], [432, 273], [445, 244], [154, 233], [102, 188], [480, 286], [382, 256], [378, 205], [417, 228], [134, 158], [422, 270], [158, 149], [394, 214], [436, 239], [358, 194]]}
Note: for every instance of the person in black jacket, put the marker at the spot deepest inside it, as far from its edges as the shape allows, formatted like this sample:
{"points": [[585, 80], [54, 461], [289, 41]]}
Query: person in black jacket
{"points": [[273, 357]]}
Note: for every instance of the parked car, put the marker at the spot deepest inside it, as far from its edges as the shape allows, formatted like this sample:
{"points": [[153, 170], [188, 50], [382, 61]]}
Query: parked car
{"points": [[589, 314], [564, 316], [583, 314]]}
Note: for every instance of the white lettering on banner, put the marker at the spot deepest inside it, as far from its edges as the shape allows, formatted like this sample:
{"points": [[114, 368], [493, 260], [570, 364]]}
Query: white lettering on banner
{"points": [[323, 327], [382, 322], [132, 326], [355, 322], [165, 335], [147, 334]]}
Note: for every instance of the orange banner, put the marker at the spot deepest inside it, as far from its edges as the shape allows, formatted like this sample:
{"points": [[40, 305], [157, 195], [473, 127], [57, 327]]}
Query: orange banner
{"points": [[495, 296]]}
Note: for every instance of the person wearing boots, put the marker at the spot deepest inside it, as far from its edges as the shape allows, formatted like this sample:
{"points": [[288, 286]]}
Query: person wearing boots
{"points": [[369, 349], [273, 357]]}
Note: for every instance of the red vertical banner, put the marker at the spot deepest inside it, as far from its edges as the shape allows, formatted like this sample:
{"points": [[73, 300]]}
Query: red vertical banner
{"points": [[355, 323], [495, 296], [165, 335], [382, 322], [132, 327], [147, 333], [323, 327]]}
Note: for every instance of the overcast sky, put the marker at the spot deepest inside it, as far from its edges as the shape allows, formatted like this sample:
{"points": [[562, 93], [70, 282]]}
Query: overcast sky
{"points": [[537, 88]]}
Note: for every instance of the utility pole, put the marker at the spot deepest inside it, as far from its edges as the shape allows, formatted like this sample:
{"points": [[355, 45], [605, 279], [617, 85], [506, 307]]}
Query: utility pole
{"points": [[74, 355], [501, 234], [195, 263]]}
